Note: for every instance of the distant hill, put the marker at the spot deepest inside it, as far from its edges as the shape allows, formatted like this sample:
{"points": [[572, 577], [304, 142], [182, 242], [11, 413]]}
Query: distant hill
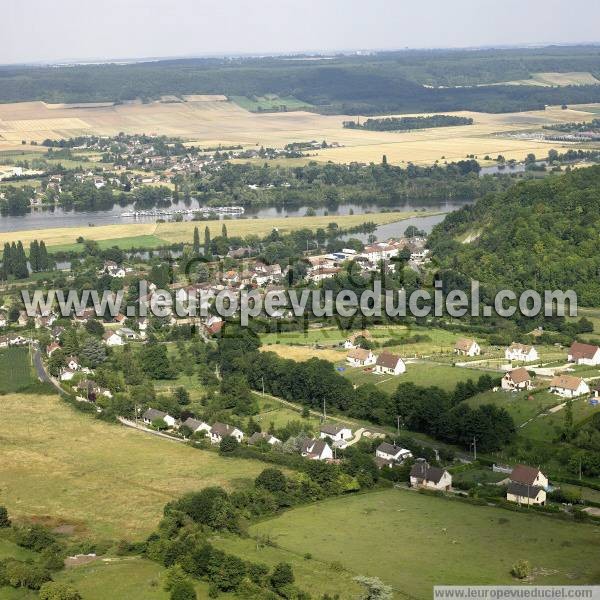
{"points": [[379, 83], [540, 234]]}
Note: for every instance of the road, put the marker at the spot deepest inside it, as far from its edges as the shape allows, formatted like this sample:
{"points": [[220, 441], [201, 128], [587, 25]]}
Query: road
{"points": [[43, 376]]}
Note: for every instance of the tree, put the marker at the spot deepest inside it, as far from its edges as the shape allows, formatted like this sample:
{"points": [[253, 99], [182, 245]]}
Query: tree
{"points": [[182, 396], [224, 231], [92, 352], [155, 362], [521, 569], [196, 244], [58, 591], [94, 327], [282, 575], [183, 590], [206, 241], [228, 444], [4, 520], [271, 479], [375, 589]]}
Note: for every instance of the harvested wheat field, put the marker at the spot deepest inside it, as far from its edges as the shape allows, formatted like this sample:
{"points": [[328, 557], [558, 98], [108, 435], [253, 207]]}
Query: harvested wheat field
{"points": [[302, 353], [213, 120]]}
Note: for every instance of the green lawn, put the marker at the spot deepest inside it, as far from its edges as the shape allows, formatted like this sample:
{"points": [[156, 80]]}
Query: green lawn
{"points": [[269, 102], [413, 541], [272, 411], [130, 578], [422, 373], [124, 243], [16, 372], [522, 406], [546, 427]]}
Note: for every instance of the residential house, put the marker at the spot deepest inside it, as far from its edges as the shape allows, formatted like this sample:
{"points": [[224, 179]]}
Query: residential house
{"points": [[525, 494], [521, 352], [389, 364], [321, 274], [152, 415], [359, 357], [112, 269], [388, 455], [584, 354], [127, 334], [467, 347], [529, 476], [23, 319], [3, 319], [3, 341], [111, 338], [517, 379], [195, 425], [57, 331], [220, 430], [435, 478], [258, 436], [72, 363], [316, 450], [335, 433], [52, 348], [67, 374], [351, 341], [569, 386]]}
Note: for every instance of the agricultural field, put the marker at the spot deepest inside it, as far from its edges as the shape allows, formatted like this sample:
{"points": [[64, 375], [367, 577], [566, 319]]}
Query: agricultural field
{"points": [[556, 79], [156, 234], [16, 371], [107, 480], [421, 373], [302, 353], [214, 122], [413, 541]]}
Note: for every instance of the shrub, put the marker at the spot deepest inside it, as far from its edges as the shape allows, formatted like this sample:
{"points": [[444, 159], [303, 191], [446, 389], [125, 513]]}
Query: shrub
{"points": [[521, 569], [271, 479], [36, 537], [228, 444], [4, 520], [183, 590], [282, 575], [58, 591], [20, 574]]}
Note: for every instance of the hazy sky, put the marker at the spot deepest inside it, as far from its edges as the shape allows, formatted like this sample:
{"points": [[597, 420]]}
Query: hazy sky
{"points": [[55, 30]]}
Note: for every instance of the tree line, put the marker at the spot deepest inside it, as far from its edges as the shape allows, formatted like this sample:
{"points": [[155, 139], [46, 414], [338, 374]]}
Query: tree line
{"points": [[408, 123]]}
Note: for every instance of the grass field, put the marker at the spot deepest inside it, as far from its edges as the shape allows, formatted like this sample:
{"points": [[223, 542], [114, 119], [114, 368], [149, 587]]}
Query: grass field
{"points": [[156, 234], [202, 122], [106, 479], [130, 578], [302, 353], [412, 542], [16, 372], [270, 102], [556, 79], [423, 374], [275, 412]]}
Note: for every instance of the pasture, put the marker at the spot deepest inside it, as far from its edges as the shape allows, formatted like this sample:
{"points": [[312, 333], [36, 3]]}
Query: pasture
{"points": [[106, 480], [422, 373], [129, 235], [413, 541], [16, 371], [269, 102], [213, 122]]}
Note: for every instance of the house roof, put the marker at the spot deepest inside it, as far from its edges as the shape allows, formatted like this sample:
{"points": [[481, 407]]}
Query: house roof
{"points": [[524, 474], [359, 354], [314, 447], [222, 429], [522, 489], [387, 360], [567, 382], [364, 333], [192, 423], [390, 449], [464, 345], [522, 347], [579, 350], [152, 414], [422, 470], [520, 375], [331, 429], [257, 436]]}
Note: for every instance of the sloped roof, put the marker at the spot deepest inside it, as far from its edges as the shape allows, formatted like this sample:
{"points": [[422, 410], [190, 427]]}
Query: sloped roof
{"points": [[464, 345], [359, 354], [567, 382], [387, 360], [520, 375], [524, 474], [579, 350], [522, 489]]}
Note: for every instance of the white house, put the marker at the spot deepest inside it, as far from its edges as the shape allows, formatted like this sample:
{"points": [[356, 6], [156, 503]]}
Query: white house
{"points": [[195, 426], [316, 450], [258, 436], [112, 269], [531, 476], [3, 319], [67, 375], [568, 386], [517, 379], [584, 354], [521, 352], [335, 432], [72, 363], [111, 338], [152, 415], [359, 357], [467, 347], [389, 364], [389, 455], [521, 493], [220, 430], [423, 475]]}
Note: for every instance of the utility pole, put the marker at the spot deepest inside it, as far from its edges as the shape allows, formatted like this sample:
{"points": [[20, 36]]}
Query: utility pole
{"points": [[474, 448], [398, 425], [262, 377], [324, 411]]}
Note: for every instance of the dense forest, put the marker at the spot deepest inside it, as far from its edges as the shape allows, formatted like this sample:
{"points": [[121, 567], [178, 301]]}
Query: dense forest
{"points": [[408, 123], [378, 83], [540, 234]]}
